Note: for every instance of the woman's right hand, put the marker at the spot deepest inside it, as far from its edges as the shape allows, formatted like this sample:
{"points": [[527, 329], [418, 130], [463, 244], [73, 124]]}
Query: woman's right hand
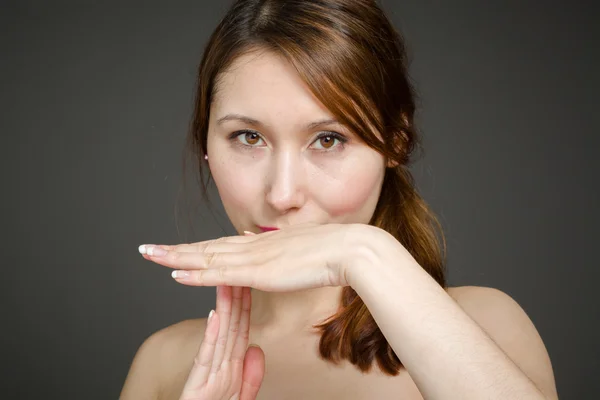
{"points": [[225, 368]]}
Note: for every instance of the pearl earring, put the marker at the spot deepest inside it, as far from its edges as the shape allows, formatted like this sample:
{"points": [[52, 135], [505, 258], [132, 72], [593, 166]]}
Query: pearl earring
{"points": [[206, 156]]}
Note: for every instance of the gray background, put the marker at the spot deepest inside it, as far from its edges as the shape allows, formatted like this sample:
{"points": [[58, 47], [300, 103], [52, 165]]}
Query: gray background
{"points": [[96, 98]]}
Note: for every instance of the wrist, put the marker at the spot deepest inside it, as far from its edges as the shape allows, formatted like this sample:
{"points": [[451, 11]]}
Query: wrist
{"points": [[368, 247]]}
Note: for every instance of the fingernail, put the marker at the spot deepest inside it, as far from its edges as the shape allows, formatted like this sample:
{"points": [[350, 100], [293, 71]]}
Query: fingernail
{"points": [[180, 274], [210, 315], [248, 233], [155, 251]]}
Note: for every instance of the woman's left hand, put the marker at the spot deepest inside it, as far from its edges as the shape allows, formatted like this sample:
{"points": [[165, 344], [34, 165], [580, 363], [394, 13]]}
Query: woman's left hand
{"points": [[295, 258]]}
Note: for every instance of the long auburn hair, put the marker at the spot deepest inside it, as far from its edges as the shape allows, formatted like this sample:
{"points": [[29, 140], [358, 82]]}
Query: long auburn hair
{"points": [[353, 60]]}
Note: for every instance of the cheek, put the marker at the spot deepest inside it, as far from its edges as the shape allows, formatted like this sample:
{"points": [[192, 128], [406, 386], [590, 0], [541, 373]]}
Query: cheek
{"points": [[237, 187], [355, 192]]}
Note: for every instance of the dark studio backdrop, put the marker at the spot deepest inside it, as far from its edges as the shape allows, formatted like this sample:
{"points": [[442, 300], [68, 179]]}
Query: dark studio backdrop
{"points": [[96, 99]]}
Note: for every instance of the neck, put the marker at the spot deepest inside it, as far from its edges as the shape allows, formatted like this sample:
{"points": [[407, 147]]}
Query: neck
{"points": [[293, 311]]}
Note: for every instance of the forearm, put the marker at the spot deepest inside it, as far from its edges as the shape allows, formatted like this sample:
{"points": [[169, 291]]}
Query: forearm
{"points": [[446, 353]]}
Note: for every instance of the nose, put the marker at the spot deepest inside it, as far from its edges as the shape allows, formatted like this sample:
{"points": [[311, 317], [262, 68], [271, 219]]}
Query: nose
{"points": [[285, 188]]}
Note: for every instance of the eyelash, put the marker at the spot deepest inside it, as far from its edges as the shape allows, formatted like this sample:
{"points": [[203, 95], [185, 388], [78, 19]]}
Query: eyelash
{"points": [[342, 139]]}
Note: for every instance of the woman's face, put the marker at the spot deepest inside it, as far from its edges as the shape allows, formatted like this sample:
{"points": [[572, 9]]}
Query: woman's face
{"points": [[277, 161]]}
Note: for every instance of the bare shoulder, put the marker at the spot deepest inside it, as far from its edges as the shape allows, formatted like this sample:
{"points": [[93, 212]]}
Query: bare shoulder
{"points": [[491, 308], [162, 358], [509, 326]]}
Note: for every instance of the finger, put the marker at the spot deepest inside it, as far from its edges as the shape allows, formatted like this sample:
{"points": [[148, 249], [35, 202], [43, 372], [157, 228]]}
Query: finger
{"points": [[234, 325], [241, 343], [254, 372], [224, 304], [203, 360], [232, 276], [195, 260], [247, 237], [209, 244], [220, 243]]}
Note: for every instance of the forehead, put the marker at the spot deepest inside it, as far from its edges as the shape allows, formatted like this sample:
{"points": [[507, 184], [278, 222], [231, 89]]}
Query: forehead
{"points": [[264, 85]]}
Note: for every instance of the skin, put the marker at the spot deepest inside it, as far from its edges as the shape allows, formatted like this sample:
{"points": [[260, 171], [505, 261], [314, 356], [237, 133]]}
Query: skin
{"points": [[286, 177]]}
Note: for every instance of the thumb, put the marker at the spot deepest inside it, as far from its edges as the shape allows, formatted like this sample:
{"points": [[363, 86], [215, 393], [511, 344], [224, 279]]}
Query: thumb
{"points": [[253, 373]]}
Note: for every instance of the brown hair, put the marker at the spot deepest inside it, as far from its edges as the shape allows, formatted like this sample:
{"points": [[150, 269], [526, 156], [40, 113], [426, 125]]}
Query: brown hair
{"points": [[353, 60]]}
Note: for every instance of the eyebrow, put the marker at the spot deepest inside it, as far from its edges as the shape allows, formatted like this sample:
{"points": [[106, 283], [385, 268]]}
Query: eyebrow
{"points": [[255, 122]]}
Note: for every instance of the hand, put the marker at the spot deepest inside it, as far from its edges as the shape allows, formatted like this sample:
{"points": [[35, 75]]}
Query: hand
{"points": [[223, 368], [294, 258]]}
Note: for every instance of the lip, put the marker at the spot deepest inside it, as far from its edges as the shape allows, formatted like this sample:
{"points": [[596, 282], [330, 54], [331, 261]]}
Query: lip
{"points": [[267, 228]]}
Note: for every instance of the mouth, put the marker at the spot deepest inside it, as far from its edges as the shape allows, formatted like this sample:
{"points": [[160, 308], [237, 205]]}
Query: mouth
{"points": [[267, 228]]}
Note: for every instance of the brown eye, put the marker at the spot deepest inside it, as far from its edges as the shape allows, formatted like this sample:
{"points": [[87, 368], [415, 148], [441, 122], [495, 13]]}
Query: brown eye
{"points": [[251, 138], [246, 138], [327, 141], [330, 141]]}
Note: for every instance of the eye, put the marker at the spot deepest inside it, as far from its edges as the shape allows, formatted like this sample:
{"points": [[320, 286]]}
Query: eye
{"points": [[246, 138], [327, 140]]}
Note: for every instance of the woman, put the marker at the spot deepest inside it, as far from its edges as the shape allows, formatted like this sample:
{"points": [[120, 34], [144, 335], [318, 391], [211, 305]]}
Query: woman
{"points": [[304, 117]]}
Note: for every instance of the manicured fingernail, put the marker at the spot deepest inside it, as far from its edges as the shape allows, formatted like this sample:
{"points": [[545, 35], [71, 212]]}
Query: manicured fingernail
{"points": [[155, 251], [210, 315], [248, 233], [180, 274], [142, 249]]}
